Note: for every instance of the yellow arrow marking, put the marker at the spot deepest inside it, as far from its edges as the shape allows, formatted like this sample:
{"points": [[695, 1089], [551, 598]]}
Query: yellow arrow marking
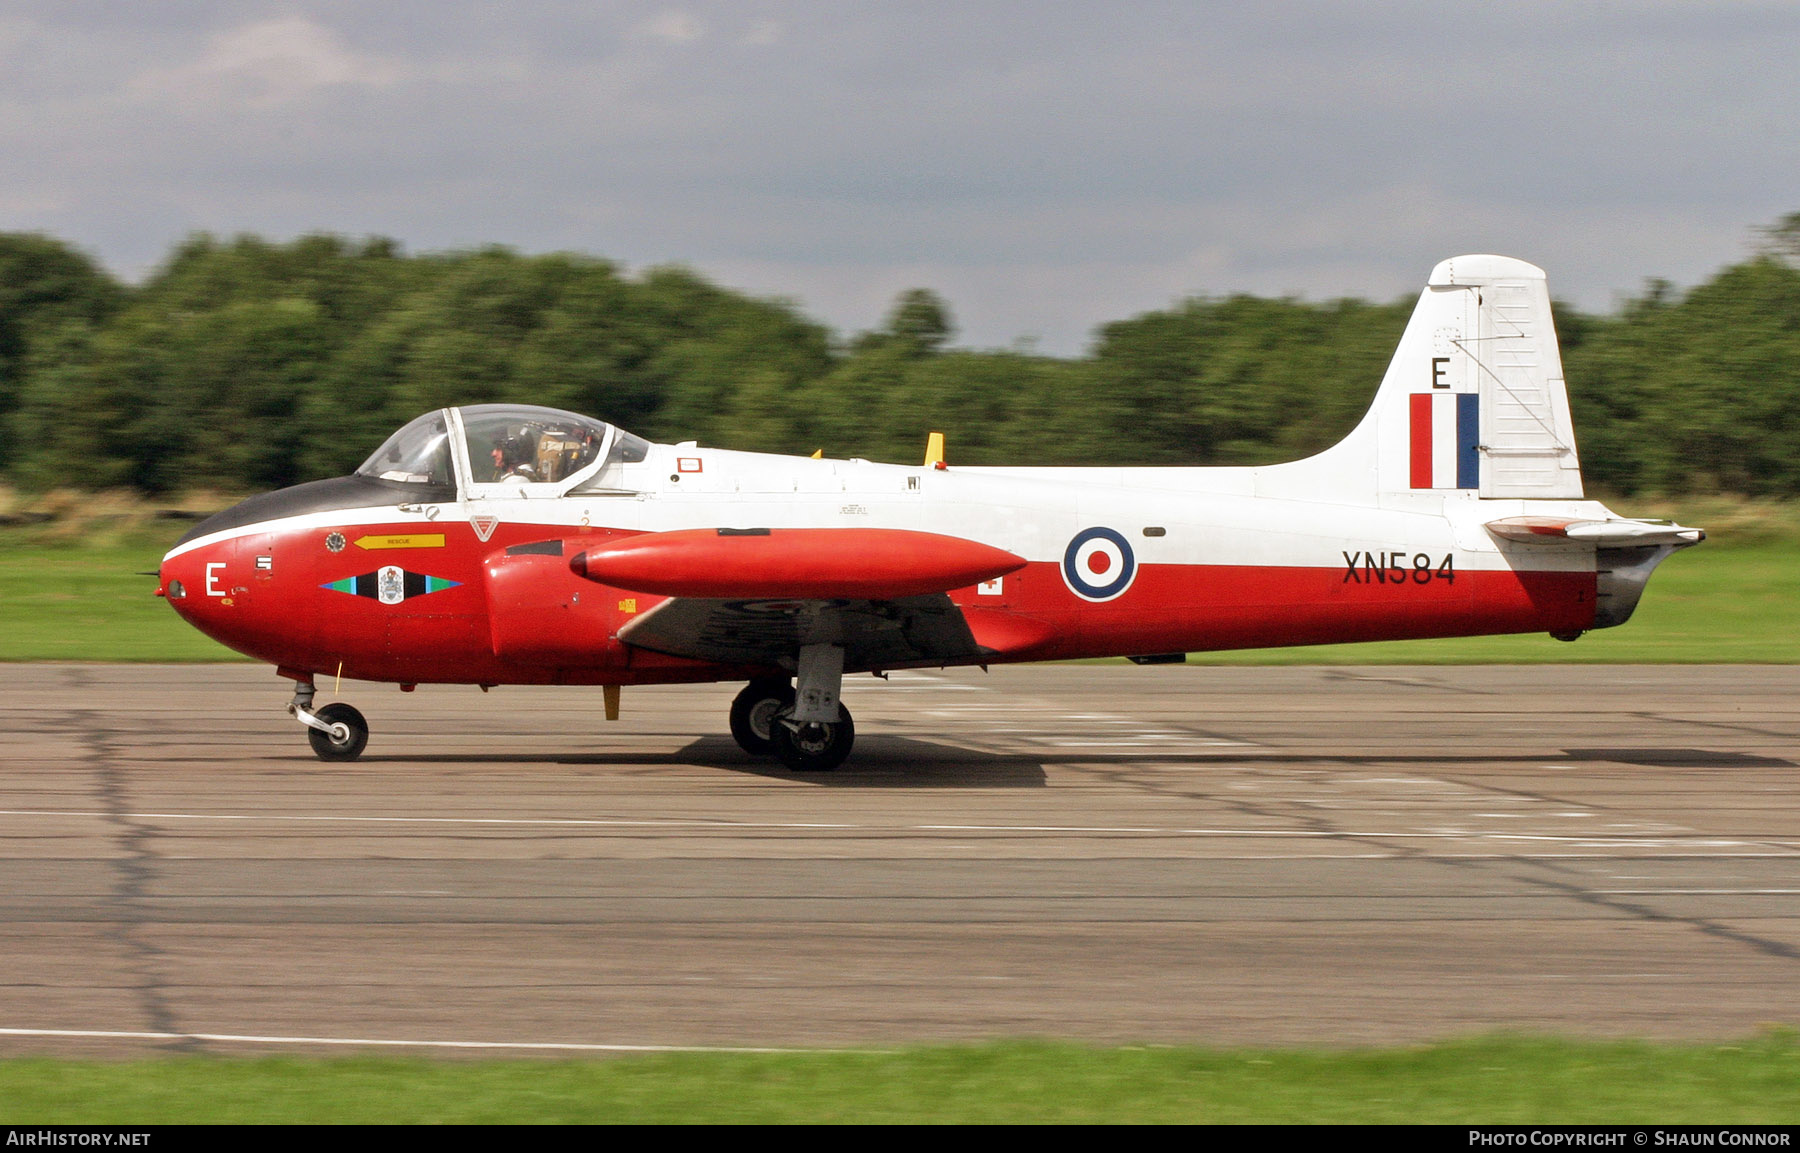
{"points": [[416, 540]]}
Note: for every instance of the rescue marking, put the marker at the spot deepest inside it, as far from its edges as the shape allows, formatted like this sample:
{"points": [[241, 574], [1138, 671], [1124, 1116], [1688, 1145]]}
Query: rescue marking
{"points": [[1397, 568], [688, 464], [413, 540], [1098, 565], [390, 584], [335, 542], [484, 526]]}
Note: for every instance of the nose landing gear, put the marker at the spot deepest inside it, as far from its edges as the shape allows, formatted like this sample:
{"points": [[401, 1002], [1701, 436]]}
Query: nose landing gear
{"points": [[336, 732]]}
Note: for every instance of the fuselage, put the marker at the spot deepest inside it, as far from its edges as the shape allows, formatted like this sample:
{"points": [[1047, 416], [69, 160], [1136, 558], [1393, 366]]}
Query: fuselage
{"points": [[380, 580]]}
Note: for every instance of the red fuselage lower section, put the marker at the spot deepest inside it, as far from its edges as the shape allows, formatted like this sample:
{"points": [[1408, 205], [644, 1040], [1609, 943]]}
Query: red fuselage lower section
{"points": [[437, 604]]}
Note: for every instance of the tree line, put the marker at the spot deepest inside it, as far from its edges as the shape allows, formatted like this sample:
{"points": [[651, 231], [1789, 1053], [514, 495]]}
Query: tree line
{"points": [[243, 364]]}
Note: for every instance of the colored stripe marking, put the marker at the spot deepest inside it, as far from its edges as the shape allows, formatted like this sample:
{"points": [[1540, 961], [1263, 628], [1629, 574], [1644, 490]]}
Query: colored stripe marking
{"points": [[413, 540], [1421, 439], [1444, 439], [1468, 427], [401, 585]]}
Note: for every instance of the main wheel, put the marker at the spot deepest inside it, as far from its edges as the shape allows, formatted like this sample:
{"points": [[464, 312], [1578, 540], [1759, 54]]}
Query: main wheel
{"points": [[356, 734], [753, 714], [814, 746]]}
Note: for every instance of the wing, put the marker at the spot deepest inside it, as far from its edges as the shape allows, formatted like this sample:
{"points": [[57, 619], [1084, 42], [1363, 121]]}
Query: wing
{"points": [[876, 634]]}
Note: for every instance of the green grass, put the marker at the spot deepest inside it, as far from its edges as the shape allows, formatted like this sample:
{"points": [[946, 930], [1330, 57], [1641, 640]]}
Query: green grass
{"points": [[70, 593], [83, 601], [1493, 1080]]}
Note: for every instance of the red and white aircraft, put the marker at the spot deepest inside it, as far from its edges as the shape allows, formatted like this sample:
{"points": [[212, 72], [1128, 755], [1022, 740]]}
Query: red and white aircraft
{"points": [[507, 544]]}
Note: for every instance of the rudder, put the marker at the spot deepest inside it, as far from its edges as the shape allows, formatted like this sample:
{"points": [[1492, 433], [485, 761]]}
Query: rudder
{"points": [[1473, 402], [1474, 399]]}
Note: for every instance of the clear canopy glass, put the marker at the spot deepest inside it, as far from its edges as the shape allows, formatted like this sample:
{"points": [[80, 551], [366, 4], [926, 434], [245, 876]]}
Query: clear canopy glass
{"points": [[512, 444], [418, 454], [525, 444]]}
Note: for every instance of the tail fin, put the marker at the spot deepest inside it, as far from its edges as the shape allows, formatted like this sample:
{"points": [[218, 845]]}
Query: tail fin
{"points": [[1473, 400]]}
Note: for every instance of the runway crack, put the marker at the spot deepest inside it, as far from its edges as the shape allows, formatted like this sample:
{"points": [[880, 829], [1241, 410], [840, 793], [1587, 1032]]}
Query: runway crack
{"points": [[1727, 726], [133, 874], [1644, 913]]}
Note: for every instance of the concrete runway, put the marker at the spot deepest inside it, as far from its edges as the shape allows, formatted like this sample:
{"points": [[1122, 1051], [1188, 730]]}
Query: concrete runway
{"points": [[1118, 854]]}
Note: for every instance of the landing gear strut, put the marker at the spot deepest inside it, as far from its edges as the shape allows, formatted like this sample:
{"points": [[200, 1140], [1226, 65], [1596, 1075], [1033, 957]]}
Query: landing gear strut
{"points": [[337, 732], [806, 727]]}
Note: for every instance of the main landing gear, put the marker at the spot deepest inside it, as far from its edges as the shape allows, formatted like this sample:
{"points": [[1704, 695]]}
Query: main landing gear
{"points": [[337, 732], [808, 730]]}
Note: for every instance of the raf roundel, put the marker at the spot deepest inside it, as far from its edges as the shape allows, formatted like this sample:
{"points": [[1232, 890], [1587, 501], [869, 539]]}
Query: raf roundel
{"points": [[1098, 565]]}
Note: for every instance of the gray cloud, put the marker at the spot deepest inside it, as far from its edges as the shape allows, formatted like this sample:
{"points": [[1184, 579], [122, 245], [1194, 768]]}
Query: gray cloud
{"points": [[1047, 166]]}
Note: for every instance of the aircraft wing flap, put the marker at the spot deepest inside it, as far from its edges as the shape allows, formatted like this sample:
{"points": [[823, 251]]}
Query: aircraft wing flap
{"points": [[1603, 533], [894, 633]]}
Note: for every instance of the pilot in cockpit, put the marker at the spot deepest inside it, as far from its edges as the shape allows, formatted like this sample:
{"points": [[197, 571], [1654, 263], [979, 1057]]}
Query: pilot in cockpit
{"points": [[515, 457]]}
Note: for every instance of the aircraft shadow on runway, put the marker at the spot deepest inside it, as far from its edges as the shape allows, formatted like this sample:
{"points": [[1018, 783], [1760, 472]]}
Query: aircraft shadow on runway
{"points": [[886, 762], [880, 762], [907, 762]]}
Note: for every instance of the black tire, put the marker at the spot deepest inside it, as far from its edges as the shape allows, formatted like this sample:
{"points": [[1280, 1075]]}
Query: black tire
{"points": [[351, 746], [753, 714], [814, 747]]}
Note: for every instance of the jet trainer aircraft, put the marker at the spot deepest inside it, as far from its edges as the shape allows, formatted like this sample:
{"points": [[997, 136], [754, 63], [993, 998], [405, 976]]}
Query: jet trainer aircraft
{"points": [[511, 544]]}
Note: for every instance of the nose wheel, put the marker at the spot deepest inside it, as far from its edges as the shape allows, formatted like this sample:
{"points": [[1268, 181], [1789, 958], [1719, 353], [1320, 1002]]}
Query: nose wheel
{"points": [[336, 732], [344, 735]]}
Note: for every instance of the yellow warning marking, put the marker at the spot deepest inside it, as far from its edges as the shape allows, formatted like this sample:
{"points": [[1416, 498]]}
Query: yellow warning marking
{"points": [[628, 605], [410, 540]]}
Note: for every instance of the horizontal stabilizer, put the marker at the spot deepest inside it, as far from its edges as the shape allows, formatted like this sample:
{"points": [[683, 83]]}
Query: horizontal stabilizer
{"points": [[794, 563], [1601, 533]]}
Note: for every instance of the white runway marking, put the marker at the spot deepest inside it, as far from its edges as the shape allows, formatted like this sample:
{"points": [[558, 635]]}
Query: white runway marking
{"points": [[1594, 840], [256, 1039]]}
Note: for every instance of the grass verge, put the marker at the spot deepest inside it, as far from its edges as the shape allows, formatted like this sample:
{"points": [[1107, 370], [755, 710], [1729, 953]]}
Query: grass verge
{"points": [[1488, 1080]]}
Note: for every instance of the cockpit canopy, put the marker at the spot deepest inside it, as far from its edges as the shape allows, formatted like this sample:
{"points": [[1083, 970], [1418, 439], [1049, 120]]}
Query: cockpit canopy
{"points": [[503, 444]]}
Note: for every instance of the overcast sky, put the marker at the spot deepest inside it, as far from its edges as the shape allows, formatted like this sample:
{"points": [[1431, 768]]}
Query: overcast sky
{"points": [[1045, 166]]}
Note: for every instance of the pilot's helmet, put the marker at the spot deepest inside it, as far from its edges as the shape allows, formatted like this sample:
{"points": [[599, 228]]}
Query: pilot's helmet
{"points": [[515, 448]]}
